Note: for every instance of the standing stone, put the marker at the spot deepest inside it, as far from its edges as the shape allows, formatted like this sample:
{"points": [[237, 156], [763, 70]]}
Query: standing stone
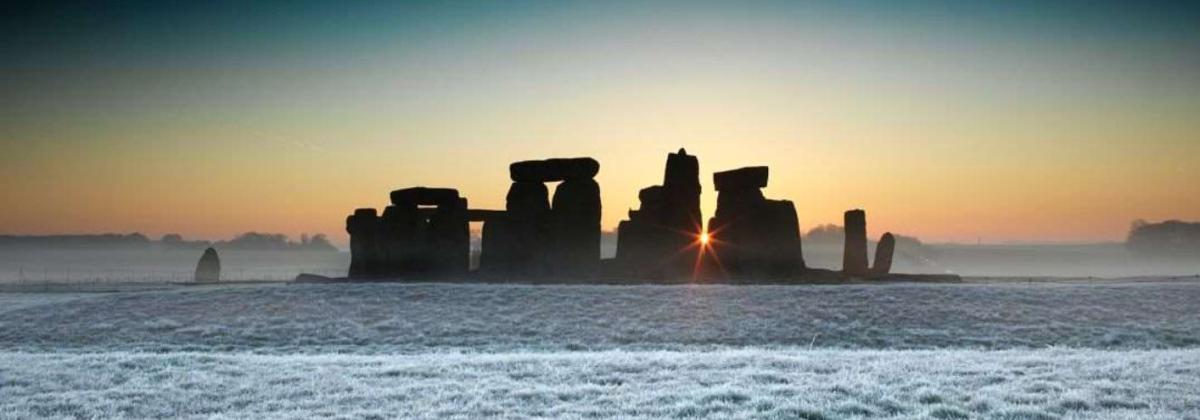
{"points": [[883, 255], [496, 245], [751, 235], [208, 270], [449, 241], [784, 253], [680, 213], [854, 255], [661, 238], [575, 232], [365, 258], [524, 230]]}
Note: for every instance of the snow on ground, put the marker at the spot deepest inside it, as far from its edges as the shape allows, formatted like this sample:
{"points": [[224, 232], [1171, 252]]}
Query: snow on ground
{"points": [[418, 318], [751, 383], [997, 350]]}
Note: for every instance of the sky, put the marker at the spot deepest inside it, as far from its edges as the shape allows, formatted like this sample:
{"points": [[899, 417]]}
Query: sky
{"points": [[956, 121]]}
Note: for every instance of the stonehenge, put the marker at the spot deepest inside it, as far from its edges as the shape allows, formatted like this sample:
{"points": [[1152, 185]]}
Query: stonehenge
{"points": [[750, 234], [542, 236], [656, 239]]}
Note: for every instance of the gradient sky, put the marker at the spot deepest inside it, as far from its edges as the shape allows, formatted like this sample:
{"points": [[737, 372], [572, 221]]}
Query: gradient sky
{"points": [[951, 121]]}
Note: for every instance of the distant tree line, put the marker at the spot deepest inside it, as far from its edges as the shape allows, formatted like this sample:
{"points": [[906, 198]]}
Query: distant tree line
{"points": [[1172, 238], [249, 241]]}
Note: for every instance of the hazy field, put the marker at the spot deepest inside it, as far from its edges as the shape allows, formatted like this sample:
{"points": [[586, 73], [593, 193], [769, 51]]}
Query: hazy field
{"points": [[1007, 351], [154, 265]]}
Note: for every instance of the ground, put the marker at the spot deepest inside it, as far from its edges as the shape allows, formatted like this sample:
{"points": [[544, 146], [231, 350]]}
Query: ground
{"points": [[984, 350]]}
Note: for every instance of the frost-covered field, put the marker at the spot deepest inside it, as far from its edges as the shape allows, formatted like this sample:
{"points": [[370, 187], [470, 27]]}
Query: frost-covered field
{"points": [[418, 318], [1114, 350], [946, 384]]}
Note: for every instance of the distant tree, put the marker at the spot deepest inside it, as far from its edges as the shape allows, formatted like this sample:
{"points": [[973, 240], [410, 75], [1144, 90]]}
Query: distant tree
{"points": [[1172, 238], [826, 234], [317, 242], [176, 241], [257, 241], [171, 239]]}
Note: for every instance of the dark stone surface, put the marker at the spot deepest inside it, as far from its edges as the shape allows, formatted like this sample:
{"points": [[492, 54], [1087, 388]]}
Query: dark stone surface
{"points": [[883, 255], [753, 177], [449, 239], [363, 227], [477, 215], [400, 231], [411, 240], [498, 246], [854, 255], [527, 200], [424, 196], [522, 234], [751, 235], [660, 239], [575, 228], [208, 270], [554, 170]]}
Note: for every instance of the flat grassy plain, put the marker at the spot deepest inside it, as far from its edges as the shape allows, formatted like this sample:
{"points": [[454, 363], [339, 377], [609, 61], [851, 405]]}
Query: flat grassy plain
{"points": [[1113, 349]]}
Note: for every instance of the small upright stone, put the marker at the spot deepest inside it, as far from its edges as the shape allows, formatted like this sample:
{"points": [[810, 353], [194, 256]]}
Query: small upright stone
{"points": [[883, 255], [854, 252], [208, 270]]}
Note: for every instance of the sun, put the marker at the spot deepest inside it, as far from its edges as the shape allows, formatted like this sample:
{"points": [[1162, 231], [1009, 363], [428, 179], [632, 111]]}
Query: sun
{"points": [[704, 238]]}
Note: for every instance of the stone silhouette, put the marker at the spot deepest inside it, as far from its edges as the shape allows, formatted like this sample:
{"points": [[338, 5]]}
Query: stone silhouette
{"points": [[554, 170], [208, 269], [752, 235], [667, 223], [575, 229], [541, 236], [365, 248], [424, 231], [883, 255], [537, 235], [854, 254]]}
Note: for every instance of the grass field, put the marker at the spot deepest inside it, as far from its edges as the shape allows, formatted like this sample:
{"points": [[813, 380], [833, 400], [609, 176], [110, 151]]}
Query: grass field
{"points": [[994, 350]]}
